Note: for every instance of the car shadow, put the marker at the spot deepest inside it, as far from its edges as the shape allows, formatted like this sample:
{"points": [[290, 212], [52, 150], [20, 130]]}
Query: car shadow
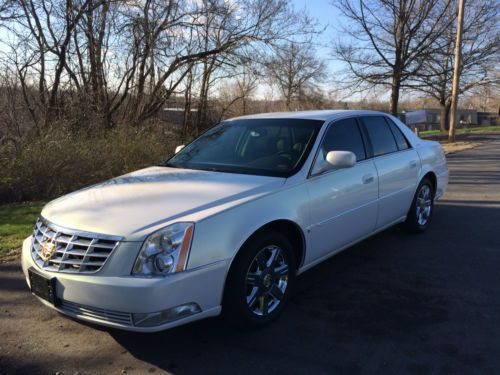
{"points": [[397, 300]]}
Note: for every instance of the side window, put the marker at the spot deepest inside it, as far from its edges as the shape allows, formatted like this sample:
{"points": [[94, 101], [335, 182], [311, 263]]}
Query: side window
{"points": [[380, 135], [343, 135], [400, 138]]}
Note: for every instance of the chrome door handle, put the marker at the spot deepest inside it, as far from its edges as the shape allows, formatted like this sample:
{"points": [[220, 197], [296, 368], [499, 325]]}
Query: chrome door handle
{"points": [[368, 179], [413, 164]]}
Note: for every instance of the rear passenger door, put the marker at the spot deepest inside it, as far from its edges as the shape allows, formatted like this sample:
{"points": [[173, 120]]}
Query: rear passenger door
{"points": [[397, 165]]}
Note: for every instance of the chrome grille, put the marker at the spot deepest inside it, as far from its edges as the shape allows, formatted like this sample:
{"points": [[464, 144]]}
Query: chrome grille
{"points": [[74, 252], [96, 313]]}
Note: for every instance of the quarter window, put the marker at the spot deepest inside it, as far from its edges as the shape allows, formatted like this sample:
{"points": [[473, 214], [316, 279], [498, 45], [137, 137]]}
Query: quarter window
{"points": [[398, 135], [380, 135]]}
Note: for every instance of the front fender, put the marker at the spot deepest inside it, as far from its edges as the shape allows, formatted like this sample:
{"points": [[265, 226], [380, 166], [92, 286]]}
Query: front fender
{"points": [[220, 236]]}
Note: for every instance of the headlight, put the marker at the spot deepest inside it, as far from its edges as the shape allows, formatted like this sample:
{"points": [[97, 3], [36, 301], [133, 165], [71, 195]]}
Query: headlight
{"points": [[165, 251]]}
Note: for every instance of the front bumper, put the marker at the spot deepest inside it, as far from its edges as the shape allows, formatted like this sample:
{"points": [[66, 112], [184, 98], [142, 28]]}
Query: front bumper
{"points": [[112, 300]]}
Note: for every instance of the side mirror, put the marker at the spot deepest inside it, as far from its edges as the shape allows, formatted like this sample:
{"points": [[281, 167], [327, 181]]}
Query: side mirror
{"points": [[178, 148], [341, 159], [334, 160]]}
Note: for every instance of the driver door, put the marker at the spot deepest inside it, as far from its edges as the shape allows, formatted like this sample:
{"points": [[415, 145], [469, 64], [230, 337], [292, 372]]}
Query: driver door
{"points": [[343, 202]]}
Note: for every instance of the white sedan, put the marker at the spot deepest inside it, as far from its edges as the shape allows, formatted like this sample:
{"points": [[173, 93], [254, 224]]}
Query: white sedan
{"points": [[228, 222]]}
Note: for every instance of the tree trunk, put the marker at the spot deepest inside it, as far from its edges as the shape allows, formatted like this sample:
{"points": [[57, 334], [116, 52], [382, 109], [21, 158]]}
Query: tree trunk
{"points": [[187, 106], [396, 85], [444, 116]]}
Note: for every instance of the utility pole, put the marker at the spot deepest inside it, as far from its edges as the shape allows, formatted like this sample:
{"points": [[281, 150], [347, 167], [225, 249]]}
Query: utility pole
{"points": [[456, 71]]}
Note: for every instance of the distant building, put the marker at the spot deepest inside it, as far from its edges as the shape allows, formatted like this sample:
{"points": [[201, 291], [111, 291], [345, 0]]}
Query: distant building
{"points": [[174, 115], [487, 119], [429, 119]]}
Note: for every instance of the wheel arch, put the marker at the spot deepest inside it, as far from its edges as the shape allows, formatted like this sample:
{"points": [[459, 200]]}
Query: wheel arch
{"points": [[285, 226], [433, 179]]}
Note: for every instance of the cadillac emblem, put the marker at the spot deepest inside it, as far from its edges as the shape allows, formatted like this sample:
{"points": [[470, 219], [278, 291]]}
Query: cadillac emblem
{"points": [[48, 250]]}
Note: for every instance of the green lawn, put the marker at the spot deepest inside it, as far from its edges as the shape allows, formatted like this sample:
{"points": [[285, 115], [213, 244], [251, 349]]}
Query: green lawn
{"points": [[16, 223], [480, 130]]}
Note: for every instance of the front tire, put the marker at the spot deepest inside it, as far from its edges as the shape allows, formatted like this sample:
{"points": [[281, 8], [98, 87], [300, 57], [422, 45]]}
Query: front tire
{"points": [[422, 208], [260, 281]]}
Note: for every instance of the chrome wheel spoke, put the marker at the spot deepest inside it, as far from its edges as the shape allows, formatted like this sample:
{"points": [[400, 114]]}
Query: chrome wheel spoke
{"points": [[254, 297], [273, 258], [276, 292], [252, 279], [281, 271], [261, 260], [264, 304], [266, 280], [423, 205]]}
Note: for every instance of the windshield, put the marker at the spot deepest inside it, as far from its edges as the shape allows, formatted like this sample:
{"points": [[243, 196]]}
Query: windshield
{"points": [[271, 147]]}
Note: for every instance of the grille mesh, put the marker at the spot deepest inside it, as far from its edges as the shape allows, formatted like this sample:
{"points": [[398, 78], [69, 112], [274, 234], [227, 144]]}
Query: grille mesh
{"points": [[96, 313], [73, 253]]}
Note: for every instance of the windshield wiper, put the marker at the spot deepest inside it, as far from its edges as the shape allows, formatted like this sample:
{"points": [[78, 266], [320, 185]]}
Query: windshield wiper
{"points": [[167, 164]]}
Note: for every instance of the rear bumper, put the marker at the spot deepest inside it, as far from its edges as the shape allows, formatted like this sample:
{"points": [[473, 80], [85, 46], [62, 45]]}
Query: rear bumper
{"points": [[112, 300], [442, 184]]}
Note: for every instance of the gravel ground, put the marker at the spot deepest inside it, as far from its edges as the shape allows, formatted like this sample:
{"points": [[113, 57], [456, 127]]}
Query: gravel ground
{"points": [[393, 304]]}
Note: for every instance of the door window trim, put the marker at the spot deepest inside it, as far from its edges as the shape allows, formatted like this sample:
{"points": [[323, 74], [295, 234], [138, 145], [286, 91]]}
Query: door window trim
{"points": [[370, 141], [389, 122], [368, 155]]}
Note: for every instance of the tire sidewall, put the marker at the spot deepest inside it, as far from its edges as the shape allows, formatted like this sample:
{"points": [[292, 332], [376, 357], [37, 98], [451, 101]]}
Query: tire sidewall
{"points": [[234, 303], [412, 220]]}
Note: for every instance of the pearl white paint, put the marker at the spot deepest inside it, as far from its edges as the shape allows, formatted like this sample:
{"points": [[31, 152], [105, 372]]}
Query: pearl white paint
{"points": [[333, 210]]}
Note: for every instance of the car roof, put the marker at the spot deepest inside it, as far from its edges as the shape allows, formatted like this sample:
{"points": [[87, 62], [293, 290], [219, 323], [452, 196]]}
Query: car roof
{"points": [[323, 115]]}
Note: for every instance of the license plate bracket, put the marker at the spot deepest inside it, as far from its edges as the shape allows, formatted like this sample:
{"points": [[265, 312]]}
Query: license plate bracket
{"points": [[42, 286]]}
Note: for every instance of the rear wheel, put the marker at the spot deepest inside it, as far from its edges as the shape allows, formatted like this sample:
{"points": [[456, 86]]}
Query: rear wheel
{"points": [[422, 207], [260, 280]]}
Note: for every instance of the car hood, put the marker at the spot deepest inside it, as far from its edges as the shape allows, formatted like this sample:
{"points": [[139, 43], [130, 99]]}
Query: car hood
{"points": [[141, 202]]}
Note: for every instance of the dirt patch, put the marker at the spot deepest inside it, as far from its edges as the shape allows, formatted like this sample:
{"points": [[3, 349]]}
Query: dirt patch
{"points": [[450, 148], [10, 255]]}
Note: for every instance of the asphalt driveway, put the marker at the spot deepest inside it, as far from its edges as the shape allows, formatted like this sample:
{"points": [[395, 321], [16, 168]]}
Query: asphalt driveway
{"points": [[393, 304]]}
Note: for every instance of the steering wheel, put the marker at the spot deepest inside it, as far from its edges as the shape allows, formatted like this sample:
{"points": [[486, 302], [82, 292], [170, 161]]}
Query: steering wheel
{"points": [[285, 154]]}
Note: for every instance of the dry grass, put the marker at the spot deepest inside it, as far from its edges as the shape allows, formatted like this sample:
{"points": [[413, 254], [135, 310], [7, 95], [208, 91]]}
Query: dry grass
{"points": [[450, 148]]}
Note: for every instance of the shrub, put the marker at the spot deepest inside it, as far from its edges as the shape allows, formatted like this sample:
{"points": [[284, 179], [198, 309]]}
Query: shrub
{"points": [[59, 161]]}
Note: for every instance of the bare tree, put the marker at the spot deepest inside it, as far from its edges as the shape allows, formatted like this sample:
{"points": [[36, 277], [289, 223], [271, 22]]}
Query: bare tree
{"points": [[110, 58], [295, 70], [388, 40], [480, 52], [234, 97], [169, 49], [7, 10]]}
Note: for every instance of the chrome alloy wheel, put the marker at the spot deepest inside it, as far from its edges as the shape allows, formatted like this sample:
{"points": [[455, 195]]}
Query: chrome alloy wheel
{"points": [[424, 205], [266, 280]]}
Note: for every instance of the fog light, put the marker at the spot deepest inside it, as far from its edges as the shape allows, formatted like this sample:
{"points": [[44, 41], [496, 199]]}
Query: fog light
{"points": [[166, 316]]}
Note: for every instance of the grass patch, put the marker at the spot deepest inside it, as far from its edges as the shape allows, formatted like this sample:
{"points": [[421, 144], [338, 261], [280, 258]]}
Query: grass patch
{"points": [[480, 130], [16, 223]]}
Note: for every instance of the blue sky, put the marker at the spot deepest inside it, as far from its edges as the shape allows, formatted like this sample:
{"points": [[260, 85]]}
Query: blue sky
{"points": [[322, 10], [327, 16]]}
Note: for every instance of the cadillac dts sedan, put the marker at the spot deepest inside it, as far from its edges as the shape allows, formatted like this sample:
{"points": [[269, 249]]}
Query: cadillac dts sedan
{"points": [[227, 223]]}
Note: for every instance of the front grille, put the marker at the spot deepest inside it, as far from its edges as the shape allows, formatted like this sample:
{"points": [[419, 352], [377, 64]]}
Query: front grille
{"points": [[59, 250], [96, 313]]}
